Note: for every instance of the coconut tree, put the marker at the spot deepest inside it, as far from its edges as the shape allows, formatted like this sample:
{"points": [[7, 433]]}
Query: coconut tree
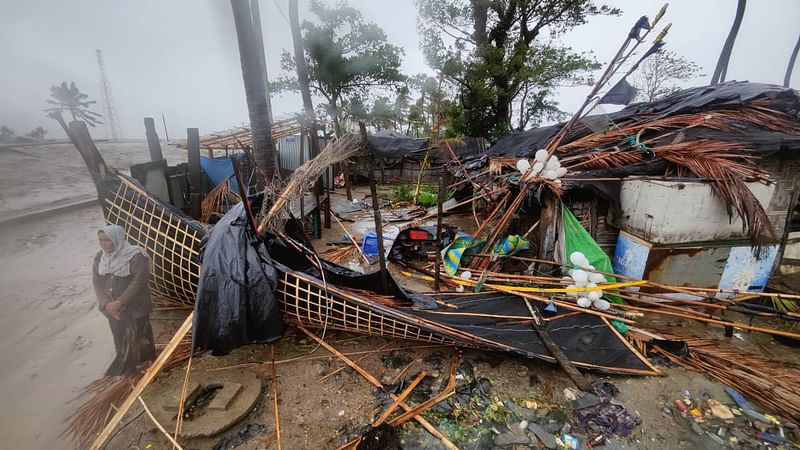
{"points": [[37, 133], [722, 64], [255, 81], [792, 59], [68, 98]]}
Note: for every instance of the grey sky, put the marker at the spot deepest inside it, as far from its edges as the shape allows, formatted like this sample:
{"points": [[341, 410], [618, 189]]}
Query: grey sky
{"points": [[180, 57]]}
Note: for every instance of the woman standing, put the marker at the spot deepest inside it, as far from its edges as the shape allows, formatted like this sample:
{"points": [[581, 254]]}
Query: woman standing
{"points": [[120, 274]]}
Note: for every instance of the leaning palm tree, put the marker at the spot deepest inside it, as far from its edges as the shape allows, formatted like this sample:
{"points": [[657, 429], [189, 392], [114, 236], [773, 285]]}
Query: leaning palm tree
{"points": [[68, 98], [722, 64]]}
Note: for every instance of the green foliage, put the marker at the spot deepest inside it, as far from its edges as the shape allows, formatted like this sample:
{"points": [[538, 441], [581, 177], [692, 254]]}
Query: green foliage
{"points": [[68, 98], [402, 193], [347, 58], [6, 133], [658, 74], [37, 133], [489, 49], [428, 194]]}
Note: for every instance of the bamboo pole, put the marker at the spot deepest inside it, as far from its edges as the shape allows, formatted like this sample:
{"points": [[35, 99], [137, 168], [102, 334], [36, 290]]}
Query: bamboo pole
{"points": [[400, 398], [148, 376], [374, 381], [182, 402], [445, 393], [158, 425], [358, 360], [275, 400], [350, 236], [439, 214]]}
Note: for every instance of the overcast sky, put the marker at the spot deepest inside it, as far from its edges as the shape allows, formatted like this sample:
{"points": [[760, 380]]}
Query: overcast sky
{"points": [[180, 58]]}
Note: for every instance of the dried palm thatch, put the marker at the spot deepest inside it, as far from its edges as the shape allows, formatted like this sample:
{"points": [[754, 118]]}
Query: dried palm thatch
{"points": [[105, 395], [773, 384], [218, 201], [342, 255], [726, 163], [336, 151]]}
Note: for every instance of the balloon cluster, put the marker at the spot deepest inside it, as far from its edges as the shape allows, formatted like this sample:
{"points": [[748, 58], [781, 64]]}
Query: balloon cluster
{"points": [[549, 169], [580, 278]]}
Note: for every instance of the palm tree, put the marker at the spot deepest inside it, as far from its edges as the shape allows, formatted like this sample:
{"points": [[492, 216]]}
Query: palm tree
{"points": [[722, 64], [255, 81], [792, 59], [37, 133], [70, 99]]}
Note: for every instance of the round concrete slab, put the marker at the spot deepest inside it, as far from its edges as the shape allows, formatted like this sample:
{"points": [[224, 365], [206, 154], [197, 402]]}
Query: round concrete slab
{"points": [[237, 392]]}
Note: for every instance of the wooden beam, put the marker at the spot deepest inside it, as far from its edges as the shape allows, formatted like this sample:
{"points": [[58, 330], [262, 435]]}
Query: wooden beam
{"points": [[195, 178], [153, 144]]}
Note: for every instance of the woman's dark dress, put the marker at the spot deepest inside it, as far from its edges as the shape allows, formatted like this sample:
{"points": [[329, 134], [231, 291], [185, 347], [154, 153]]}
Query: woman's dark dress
{"points": [[133, 336]]}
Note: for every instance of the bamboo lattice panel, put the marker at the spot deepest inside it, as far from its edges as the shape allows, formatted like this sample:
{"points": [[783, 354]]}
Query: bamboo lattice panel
{"points": [[172, 241], [303, 301]]}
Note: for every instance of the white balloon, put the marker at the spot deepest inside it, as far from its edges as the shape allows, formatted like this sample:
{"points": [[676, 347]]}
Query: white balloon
{"points": [[590, 285], [580, 277], [557, 181], [596, 278], [576, 258], [537, 168], [595, 295], [523, 165], [552, 163], [573, 294], [549, 174], [540, 155], [466, 274], [601, 304], [561, 171], [584, 302]]}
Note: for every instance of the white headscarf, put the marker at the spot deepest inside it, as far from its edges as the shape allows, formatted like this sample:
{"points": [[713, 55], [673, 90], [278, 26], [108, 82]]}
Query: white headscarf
{"points": [[118, 262]]}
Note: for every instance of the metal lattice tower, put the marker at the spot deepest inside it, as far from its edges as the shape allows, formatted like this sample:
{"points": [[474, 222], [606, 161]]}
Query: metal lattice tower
{"points": [[110, 117]]}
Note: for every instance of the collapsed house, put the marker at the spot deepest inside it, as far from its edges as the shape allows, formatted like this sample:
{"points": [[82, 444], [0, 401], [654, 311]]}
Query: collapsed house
{"points": [[677, 190], [724, 149]]}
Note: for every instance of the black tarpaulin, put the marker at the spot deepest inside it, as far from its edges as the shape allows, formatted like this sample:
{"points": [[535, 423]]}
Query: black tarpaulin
{"points": [[235, 303]]}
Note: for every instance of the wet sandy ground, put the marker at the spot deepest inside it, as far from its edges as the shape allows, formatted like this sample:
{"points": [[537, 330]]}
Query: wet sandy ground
{"points": [[54, 341]]}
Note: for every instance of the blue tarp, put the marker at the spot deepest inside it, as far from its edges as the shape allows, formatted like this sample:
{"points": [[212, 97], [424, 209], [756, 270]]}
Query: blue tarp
{"points": [[217, 170]]}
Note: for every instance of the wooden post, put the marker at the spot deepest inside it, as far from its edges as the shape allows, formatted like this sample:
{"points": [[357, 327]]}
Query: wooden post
{"points": [[437, 265], [547, 230], [302, 160], [346, 175], [195, 179], [376, 209], [153, 145], [164, 121]]}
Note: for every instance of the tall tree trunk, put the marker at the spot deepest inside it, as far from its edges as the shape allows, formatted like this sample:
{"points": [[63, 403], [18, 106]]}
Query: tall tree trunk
{"points": [[302, 75], [255, 81], [727, 49], [792, 60], [256, 13]]}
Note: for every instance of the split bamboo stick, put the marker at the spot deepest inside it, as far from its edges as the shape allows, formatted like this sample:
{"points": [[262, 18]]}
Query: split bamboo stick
{"points": [[275, 401], [182, 402], [400, 398], [158, 425], [374, 381]]}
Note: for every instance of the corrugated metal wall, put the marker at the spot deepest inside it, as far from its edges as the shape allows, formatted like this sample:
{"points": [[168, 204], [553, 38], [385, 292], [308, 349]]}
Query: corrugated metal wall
{"points": [[292, 155]]}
